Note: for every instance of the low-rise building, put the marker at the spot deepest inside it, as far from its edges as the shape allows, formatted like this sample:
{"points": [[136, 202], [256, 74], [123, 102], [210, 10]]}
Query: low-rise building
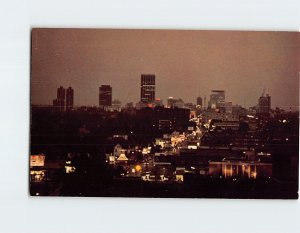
{"points": [[229, 168]]}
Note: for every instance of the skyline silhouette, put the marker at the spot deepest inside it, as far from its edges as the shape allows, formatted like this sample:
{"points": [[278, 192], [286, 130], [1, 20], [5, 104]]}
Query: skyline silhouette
{"points": [[186, 63]]}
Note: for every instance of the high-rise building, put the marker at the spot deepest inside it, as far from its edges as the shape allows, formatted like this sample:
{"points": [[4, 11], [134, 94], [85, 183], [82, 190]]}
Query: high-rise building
{"points": [[264, 104], [105, 96], [61, 93], [199, 101], [217, 99], [69, 98], [59, 102], [147, 88]]}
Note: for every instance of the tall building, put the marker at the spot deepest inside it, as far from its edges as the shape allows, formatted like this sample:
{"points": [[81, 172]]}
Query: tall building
{"points": [[61, 93], [147, 88], [105, 96], [69, 98], [264, 104], [217, 99], [59, 102], [199, 101]]}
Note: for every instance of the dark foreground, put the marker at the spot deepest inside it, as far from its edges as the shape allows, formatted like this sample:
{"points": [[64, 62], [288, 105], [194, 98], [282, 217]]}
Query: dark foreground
{"points": [[193, 187]]}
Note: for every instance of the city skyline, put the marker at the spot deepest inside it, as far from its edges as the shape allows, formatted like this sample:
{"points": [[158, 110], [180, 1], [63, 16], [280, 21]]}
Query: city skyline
{"points": [[195, 102], [87, 59]]}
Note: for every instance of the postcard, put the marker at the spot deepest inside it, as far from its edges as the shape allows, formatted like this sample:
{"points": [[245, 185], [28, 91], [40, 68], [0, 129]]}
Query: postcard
{"points": [[164, 113]]}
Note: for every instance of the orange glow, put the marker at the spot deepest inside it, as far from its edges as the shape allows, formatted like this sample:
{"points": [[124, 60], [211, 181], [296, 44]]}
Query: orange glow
{"points": [[138, 168], [254, 175]]}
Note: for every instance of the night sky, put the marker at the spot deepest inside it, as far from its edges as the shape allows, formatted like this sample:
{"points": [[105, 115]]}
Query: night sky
{"points": [[186, 64]]}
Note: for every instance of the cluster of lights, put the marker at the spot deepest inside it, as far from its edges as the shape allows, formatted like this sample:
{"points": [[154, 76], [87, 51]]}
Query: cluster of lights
{"points": [[69, 168]]}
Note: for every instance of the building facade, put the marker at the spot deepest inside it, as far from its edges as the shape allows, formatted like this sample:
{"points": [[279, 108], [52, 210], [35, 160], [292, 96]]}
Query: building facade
{"points": [[264, 104], [105, 96], [116, 105], [217, 99], [240, 168], [199, 101], [147, 88], [59, 102], [69, 98]]}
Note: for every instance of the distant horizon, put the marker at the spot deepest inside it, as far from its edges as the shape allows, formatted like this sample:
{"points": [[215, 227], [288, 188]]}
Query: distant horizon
{"points": [[164, 101], [188, 62]]}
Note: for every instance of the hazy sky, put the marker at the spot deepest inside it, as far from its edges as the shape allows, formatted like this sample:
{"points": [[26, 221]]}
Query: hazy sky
{"points": [[186, 64]]}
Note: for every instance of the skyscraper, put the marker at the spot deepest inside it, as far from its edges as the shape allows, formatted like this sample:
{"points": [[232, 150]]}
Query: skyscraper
{"points": [[61, 93], [147, 88], [264, 104], [69, 98], [59, 102], [217, 99], [105, 96], [199, 101]]}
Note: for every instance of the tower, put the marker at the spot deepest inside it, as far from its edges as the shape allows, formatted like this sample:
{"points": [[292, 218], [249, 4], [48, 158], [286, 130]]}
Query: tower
{"points": [[69, 98], [264, 104], [217, 99], [147, 88], [199, 101], [105, 96], [61, 93], [59, 102]]}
